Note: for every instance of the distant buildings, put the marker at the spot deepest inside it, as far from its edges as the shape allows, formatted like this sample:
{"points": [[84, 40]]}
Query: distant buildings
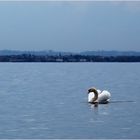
{"points": [[67, 58]]}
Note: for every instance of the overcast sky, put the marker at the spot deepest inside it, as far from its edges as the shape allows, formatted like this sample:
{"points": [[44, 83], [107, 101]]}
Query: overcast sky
{"points": [[70, 26]]}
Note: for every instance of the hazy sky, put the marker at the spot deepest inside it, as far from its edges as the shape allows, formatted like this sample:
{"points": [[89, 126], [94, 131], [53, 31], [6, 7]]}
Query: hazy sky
{"points": [[70, 26]]}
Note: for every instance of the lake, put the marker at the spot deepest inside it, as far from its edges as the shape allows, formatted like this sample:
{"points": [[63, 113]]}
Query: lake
{"points": [[49, 100]]}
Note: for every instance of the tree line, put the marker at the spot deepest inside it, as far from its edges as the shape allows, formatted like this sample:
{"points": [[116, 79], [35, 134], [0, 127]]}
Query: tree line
{"points": [[67, 58]]}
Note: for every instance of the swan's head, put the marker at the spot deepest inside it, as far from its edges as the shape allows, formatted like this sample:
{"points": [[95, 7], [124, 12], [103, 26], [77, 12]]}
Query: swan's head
{"points": [[92, 89]]}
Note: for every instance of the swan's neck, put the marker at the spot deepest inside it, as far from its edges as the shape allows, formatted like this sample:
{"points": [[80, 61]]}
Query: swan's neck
{"points": [[95, 97], [94, 100]]}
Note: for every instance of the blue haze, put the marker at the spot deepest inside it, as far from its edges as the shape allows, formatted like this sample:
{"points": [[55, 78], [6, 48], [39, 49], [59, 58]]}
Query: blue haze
{"points": [[49, 100], [70, 26]]}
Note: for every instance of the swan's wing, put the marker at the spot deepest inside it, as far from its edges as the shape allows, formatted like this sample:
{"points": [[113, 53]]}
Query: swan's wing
{"points": [[104, 96], [99, 91], [106, 93]]}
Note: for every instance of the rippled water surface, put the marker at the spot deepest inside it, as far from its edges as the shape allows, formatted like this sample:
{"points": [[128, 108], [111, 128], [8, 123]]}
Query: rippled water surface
{"points": [[49, 100]]}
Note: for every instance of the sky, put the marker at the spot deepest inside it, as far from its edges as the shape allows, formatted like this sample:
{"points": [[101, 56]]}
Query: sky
{"points": [[70, 25]]}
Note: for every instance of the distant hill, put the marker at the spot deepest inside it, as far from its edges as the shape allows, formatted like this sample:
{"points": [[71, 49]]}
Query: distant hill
{"points": [[55, 53], [39, 53], [111, 53]]}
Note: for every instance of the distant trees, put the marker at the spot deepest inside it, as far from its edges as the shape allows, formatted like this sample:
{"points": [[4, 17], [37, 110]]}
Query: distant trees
{"points": [[67, 58]]}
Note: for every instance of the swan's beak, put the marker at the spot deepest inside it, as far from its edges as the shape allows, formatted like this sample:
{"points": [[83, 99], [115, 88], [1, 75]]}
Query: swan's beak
{"points": [[88, 91]]}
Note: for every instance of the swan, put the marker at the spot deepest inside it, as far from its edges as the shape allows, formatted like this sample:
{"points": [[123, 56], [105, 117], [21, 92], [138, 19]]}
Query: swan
{"points": [[97, 96]]}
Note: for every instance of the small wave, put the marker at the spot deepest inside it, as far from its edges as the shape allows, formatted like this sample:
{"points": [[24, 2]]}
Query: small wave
{"points": [[39, 128], [13, 130], [126, 128], [95, 121], [29, 120], [122, 101]]}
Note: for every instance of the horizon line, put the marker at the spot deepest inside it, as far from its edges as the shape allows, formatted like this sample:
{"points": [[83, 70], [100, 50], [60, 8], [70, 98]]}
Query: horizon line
{"points": [[44, 50]]}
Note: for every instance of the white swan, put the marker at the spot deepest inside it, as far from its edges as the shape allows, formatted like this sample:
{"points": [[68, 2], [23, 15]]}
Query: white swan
{"points": [[96, 96]]}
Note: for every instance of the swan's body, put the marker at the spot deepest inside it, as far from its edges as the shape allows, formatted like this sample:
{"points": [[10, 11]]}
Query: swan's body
{"points": [[96, 96]]}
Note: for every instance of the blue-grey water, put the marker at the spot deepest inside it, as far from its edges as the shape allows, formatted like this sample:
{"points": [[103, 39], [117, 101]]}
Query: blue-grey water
{"points": [[49, 100]]}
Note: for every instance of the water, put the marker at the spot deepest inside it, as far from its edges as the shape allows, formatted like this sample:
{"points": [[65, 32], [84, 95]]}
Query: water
{"points": [[49, 100]]}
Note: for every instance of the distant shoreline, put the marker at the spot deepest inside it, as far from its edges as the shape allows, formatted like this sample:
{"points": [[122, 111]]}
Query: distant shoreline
{"points": [[67, 58]]}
